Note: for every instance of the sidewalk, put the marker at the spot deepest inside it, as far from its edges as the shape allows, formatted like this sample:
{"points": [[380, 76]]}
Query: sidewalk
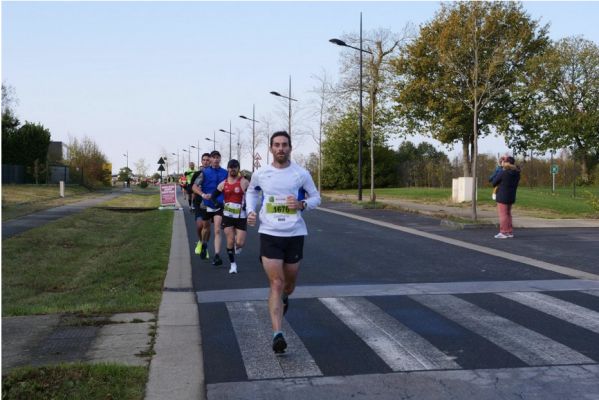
{"points": [[485, 216]]}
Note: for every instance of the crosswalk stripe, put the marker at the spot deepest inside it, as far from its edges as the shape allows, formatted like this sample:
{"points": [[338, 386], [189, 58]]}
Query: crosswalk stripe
{"points": [[591, 292], [561, 309], [400, 347], [251, 323], [529, 346]]}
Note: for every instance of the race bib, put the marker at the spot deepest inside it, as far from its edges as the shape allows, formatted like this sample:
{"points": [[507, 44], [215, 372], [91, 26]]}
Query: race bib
{"points": [[232, 210], [277, 211]]}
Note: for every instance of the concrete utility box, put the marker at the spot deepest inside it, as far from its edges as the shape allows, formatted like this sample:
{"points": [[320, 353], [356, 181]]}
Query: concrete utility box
{"points": [[461, 189]]}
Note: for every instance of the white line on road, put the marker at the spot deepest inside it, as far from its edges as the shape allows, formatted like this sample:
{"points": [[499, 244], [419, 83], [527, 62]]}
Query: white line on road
{"points": [[481, 249], [529, 346], [400, 347], [561, 309], [251, 323]]}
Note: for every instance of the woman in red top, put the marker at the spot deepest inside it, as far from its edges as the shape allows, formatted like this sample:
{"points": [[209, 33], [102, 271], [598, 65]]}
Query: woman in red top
{"points": [[234, 216], [183, 184]]}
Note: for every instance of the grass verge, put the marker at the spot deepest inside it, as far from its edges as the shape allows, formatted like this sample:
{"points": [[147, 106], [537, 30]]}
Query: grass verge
{"points": [[75, 382], [19, 200], [94, 262], [540, 202]]}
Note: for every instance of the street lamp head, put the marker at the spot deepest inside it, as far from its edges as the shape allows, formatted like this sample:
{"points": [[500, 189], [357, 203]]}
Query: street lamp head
{"points": [[243, 116], [276, 94], [208, 139], [338, 42]]}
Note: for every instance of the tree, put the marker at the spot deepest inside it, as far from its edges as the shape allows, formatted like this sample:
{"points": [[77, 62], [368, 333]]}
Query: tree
{"points": [[87, 161], [141, 168], [561, 108], [457, 76], [10, 124], [124, 174]]}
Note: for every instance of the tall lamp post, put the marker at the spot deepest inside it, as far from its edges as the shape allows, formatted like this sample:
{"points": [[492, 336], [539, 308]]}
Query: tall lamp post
{"points": [[288, 98], [230, 136], [188, 152], [127, 155], [198, 148], [254, 132], [360, 133], [177, 160]]}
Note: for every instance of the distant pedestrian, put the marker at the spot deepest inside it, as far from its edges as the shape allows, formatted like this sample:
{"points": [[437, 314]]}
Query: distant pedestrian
{"points": [[188, 175], [234, 216], [282, 228], [506, 181], [183, 184]]}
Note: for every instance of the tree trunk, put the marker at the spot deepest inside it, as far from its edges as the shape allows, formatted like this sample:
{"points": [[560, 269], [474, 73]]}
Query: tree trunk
{"points": [[466, 165], [584, 169]]}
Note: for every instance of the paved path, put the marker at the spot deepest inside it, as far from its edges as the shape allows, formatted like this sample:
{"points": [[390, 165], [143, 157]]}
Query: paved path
{"points": [[22, 224]]}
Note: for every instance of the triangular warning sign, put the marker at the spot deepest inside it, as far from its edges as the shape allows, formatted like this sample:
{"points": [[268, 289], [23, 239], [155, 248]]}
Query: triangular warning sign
{"points": [[161, 161], [161, 168]]}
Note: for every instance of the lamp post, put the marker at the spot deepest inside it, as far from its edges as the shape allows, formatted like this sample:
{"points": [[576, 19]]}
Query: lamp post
{"points": [[188, 152], [127, 155], [198, 148], [360, 133], [288, 98], [230, 136], [254, 131], [177, 160], [213, 140]]}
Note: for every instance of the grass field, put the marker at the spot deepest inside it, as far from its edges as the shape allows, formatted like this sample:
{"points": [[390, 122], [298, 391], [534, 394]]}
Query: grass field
{"points": [[95, 262], [19, 200], [540, 201], [75, 382]]}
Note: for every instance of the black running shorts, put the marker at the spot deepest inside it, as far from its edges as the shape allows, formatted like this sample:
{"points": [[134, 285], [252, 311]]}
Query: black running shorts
{"points": [[237, 223], [289, 249]]}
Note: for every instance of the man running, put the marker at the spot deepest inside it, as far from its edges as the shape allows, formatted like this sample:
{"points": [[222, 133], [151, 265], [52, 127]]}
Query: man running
{"points": [[210, 209], [197, 179], [234, 216], [188, 174], [282, 228]]}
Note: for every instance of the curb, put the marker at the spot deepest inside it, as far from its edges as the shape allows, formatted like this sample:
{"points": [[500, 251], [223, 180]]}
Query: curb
{"points": [[177, 370]]}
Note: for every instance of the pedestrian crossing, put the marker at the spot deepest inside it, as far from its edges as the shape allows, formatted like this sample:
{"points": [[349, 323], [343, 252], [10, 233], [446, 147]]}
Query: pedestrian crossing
{"points": [[335, 336]]}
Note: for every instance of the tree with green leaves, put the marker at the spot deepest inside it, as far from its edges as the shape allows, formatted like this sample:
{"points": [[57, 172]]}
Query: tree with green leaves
{"points": [[456, 78], [87, 161], [560, 103]]}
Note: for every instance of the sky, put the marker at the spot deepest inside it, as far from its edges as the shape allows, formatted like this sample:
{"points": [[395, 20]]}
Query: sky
{"points": [[145, 80]]}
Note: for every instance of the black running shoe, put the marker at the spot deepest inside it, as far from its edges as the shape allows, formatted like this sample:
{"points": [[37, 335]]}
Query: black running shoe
{"points": [[285, 304], [216, 261], [203, 253], [279, 344]]}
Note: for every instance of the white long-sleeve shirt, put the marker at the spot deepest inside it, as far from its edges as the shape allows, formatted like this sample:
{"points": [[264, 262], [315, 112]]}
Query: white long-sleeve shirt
{"points": [[276, 184]]}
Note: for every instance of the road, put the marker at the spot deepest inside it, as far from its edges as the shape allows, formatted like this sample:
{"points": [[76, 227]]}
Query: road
{"points": [[392, 305]]}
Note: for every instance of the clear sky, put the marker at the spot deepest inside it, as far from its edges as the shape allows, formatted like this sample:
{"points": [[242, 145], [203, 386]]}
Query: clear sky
{"points": [[153, 78]]}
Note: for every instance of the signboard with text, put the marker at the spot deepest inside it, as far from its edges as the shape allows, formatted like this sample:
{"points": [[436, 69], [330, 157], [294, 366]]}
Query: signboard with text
{"points": [[168, 195]]}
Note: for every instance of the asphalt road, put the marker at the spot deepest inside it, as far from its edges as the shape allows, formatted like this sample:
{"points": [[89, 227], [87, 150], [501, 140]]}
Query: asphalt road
{"points": [[395, 305]]}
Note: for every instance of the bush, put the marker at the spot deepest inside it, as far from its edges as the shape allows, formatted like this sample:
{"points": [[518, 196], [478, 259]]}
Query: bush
{"points": [[143, 184]]}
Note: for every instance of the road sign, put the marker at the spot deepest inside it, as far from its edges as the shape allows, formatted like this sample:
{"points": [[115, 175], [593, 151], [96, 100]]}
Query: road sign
{"points": [[161, 168], [168, 194], [161, 161], [554, 169], [257, 157]]}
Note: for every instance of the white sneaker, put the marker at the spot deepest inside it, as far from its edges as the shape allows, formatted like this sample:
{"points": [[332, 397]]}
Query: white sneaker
{"points": [[510, 235], [233, 269], [501, 236]]}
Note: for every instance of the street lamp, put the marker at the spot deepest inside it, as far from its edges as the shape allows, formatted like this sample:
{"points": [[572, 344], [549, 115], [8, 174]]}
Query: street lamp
{"points": [[188, 152], [254, 131], [288, 98], [177, 160], [213, 141], [127, 155], [360, 133], [230, 135], [198, 148]]}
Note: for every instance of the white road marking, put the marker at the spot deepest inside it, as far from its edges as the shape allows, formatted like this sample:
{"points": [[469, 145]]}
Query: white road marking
{"points": [[251, 323], [529, 346], [481, 249], [561, 309], [400, 347]]}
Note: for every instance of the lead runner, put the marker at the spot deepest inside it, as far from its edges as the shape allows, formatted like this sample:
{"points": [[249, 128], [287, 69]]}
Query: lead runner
{"points": [[282, 228]]}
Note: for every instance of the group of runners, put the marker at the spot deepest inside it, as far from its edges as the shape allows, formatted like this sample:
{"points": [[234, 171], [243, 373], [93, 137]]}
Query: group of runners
{"points": [[276, 195]]}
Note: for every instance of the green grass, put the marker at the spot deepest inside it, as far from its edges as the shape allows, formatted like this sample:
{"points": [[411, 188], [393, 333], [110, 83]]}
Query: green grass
{"points": [[534, 201], [75, 382], [98, 261], [19, 200], [137, 200]]}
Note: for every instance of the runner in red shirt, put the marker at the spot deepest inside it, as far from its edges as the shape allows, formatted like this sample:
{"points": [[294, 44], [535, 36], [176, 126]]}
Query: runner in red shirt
{"points": [[234, 215]]}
